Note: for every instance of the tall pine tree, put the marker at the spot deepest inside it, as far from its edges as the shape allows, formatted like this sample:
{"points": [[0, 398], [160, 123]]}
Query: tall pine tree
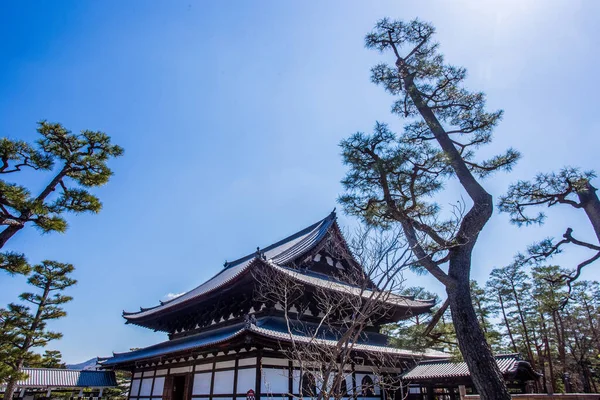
{"points": [[72, 164], [393, 178], [23, 327]]}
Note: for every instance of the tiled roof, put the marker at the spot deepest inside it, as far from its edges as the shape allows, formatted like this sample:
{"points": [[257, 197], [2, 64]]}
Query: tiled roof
{"points": [[187, 343], [428, 370], [276, 256], [279, 253], [272, 328], [390, 298], [370, 342], [54, 378]]}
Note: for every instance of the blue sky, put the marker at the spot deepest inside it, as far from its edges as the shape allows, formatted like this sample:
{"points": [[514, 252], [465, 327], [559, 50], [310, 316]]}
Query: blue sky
{"points": [[231, 112]]}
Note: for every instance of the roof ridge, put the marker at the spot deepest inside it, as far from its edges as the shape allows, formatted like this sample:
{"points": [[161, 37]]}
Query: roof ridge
{"points": [[293, 236], [331, 217], [57, 369]]}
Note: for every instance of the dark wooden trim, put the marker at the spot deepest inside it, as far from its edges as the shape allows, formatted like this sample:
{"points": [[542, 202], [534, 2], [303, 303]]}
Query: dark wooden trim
{"points": [[212, 378], [235, 378], [189, 383], [291, 379], [257, 390], [354, 387], [151, 386]]}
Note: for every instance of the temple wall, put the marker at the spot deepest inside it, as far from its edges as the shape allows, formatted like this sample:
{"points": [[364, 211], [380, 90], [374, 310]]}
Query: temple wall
{"points": [[231, 377]]}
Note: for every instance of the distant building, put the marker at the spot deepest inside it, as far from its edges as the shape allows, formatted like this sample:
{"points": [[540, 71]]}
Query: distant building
{"points": [[66, 381], [442, 378], [224, 343]]}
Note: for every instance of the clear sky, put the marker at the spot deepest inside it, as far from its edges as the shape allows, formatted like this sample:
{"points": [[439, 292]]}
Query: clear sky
{"points": [[231, 112]]}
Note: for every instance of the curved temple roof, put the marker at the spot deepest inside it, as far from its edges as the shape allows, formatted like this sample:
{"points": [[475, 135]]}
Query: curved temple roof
{"points": [[265, 327], [277, 256]]}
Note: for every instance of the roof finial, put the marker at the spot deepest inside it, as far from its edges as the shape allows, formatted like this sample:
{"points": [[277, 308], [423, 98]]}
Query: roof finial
{"points": [[258, 251], [225, 263]]}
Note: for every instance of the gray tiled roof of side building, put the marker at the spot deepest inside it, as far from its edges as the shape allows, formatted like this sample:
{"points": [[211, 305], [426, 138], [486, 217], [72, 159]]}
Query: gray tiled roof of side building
{"points": [[428, 370], [54, 377]]}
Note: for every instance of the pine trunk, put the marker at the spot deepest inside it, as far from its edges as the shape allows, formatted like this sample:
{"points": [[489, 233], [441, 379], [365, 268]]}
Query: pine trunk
{"points": [[484, 370], [11, 385], [591, 205], [506, 323]]}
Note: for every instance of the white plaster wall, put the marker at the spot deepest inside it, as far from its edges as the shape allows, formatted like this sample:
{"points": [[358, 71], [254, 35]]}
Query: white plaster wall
{"points": [[246, 380], [159, 384], [274, 380], [146, 387], [135, 387], [223, 382], [201, 383]]}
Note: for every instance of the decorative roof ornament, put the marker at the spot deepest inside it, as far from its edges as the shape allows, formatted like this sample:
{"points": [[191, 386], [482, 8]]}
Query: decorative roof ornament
{"points": [[249, 320], [260, 254]]}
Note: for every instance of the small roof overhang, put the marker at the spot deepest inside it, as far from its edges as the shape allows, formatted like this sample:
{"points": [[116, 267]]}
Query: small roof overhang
{"points": [[45, 378], [448, 371]]}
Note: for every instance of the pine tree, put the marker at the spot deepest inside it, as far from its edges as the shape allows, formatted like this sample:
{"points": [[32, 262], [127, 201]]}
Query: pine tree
{"points": [[411, 333], [23, 327], [74, 163], [393, 178], [562, 340], [569, 187], [485, 310]]}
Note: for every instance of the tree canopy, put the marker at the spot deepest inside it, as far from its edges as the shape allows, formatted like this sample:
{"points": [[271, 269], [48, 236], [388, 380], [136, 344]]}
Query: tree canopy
{"points": [[394, 178], [73, 163]]}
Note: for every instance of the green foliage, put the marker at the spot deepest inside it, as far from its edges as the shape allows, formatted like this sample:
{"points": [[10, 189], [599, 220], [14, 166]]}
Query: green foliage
{"points": [[394, 177], [545, 189], [557, 336], [122, 389], [50, 359], [485, 310], [14, 263], [410, 333], [73, 163], [23, 327]]}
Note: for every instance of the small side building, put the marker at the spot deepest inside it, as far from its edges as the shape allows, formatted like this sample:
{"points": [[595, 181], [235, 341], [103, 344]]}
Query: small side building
{"points": [[66, 381], [440, 379]]}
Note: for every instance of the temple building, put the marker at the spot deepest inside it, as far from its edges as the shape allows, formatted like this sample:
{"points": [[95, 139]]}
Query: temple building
{"points": [[442, 379], [225, 341]]}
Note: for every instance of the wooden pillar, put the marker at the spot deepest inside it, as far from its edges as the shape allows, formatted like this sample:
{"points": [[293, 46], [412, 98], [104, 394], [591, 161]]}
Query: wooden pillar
{"points": [[235, 376], [429, 392], [22, 394], [462, 391], [80, 393], [168, 388], [212, 377], [452, 393], [257, 390], [100, 393], [187, 387], [291, 379]]}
